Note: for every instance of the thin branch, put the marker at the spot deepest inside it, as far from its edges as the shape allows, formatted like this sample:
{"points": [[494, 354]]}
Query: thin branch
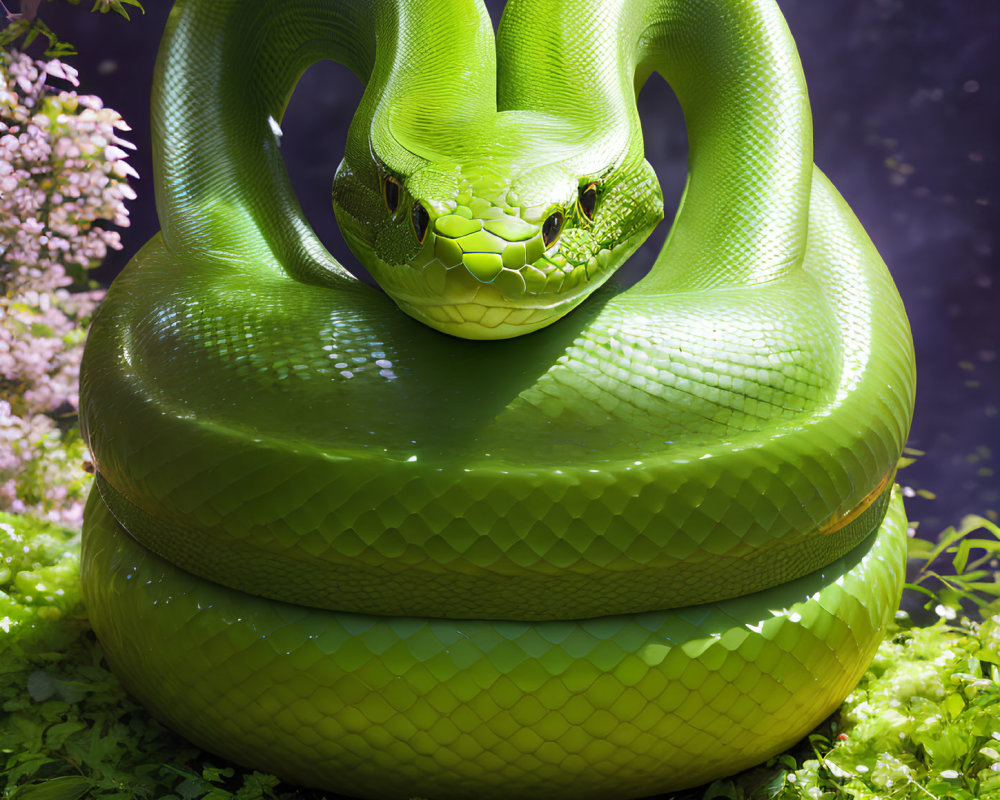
{"points": [[29, 10]]}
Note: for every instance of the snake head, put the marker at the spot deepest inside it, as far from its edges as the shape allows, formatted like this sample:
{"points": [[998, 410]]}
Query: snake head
{"points": [[500, 242]]}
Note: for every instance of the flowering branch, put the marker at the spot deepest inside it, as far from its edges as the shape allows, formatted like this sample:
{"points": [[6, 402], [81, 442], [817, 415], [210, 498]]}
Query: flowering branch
{"points": [[63, 178]]}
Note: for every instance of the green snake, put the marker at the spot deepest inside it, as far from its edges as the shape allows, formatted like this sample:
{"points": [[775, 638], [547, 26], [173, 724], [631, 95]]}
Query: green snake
{"points": [[393, 554]]}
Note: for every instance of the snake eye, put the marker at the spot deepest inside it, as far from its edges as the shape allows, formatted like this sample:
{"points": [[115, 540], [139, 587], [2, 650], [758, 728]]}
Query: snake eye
{"points": [[588, 200], [420, 220], [551, 228], [391, 191]]}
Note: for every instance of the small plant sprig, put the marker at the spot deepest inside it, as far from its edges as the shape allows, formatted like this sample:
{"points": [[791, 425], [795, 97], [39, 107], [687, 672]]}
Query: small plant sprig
{"points": [[973, 579], [25, 26]]}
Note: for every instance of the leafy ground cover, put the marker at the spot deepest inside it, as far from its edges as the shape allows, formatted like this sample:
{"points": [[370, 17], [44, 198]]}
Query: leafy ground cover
{"points": [[923, 723]]}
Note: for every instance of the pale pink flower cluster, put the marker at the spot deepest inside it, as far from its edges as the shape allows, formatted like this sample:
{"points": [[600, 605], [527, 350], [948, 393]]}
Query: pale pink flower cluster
{"points": [[62, 169]]}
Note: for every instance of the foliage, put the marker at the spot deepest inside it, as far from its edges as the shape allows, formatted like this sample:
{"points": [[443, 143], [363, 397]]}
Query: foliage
{"points": [[118, 6], [63, 176], [25, 27], [972, 578], [923, 723]]}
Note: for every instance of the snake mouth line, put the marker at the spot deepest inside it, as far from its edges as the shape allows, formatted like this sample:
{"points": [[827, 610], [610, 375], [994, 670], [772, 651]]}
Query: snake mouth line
{"points": [[450, 297], [551, 274], [490, 317], [838, 523], [514, 302]]}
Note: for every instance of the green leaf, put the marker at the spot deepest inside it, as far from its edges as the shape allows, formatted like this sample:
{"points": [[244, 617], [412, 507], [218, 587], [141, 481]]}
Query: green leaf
{"points": [[966, 546], [972, 522], [192, 785], [29, 36], [41, 686], [913, 587], [14, 31], [103, 749], [68, 787], [118, 6], [57, 735], [724, 789], [257, 786], [992, 588], [954, 704], [919, 548], [31, 764], [215, 774], [190, 788], [31, 30], [947, 538]]}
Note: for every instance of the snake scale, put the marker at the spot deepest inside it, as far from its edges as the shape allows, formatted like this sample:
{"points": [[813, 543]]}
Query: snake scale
{"points": [[393, 554]]}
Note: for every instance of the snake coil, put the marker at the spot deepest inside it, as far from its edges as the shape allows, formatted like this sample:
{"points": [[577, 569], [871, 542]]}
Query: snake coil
{"points": [[648, 545]]}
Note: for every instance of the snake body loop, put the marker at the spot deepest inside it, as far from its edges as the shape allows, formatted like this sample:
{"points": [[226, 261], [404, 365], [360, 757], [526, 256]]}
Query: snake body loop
{"points": [[647, 545]]}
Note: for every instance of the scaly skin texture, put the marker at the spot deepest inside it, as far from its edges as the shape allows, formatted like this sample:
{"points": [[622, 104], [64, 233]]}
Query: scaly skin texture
{"points": [[640, 548]]}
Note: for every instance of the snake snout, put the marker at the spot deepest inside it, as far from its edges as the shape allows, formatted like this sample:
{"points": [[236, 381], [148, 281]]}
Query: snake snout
{"points": [[486, 247]]}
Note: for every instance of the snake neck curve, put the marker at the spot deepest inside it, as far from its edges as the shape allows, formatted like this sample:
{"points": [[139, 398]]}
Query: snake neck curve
{"points": [[736, 72], [489, 195]]}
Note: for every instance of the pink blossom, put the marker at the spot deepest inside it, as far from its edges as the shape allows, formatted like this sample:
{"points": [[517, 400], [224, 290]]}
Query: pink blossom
{"points": [[62, 168]]}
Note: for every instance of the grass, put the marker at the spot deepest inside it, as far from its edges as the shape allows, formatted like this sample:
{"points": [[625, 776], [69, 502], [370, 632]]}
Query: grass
{"points": [[923, 723]]}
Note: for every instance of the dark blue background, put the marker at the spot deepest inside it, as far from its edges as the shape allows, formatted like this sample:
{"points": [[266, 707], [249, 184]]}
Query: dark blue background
{"points": [[905, 99]]}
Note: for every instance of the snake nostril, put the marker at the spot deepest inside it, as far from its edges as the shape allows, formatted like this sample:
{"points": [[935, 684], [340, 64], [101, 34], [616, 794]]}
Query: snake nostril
{"points": [[551, 228], [420, 220]]}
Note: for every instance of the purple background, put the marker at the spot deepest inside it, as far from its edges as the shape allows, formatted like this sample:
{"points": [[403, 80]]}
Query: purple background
{"points": [[905, 100]]}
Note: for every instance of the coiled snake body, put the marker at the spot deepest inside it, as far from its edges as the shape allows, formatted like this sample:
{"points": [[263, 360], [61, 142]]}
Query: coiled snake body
{"points": [[650, 544]]}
